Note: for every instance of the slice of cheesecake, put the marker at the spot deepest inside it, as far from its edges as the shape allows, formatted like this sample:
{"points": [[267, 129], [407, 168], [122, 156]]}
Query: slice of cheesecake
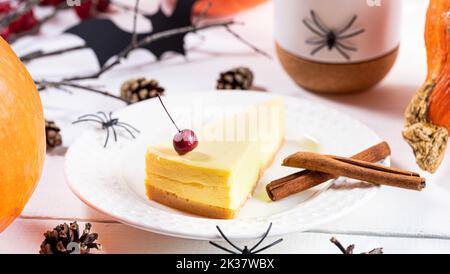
{"points": [[217, 178]]}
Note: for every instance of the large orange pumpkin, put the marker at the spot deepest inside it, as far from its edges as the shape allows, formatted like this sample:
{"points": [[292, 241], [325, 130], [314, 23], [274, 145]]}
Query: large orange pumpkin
{"points": [[225, 7], [22, 136]]}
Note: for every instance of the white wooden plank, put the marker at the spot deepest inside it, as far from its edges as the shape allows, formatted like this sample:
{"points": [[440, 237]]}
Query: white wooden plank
{"points": [[53, 198], [391, 212], [25, 236]]}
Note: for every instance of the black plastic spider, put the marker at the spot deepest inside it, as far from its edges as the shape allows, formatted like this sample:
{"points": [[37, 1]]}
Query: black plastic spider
{"points": [[246, 250], [107, 122], [331, 38]]}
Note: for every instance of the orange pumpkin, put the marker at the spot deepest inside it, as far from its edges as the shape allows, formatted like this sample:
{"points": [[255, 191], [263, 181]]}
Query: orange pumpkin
{"points": [[438, 44], [428, 115], [22, 136], [225, 7]]}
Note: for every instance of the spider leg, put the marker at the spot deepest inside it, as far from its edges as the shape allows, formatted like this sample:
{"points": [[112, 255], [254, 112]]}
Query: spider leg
{"points": [[221, 247], [348, 26], [318, 23], [315, 42], [130, 126], [318, 49], [350, 35], [312, 29], [129, 131], [104, 115], [86, 120], [95, 116], [226, 239], [262, 238], [107, 137], [342, 52], [346, 47], [115, 133], [268, 246]]}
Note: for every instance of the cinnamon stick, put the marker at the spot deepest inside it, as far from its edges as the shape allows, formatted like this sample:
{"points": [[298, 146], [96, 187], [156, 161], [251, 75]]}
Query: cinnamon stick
{"points": [[307, 179], [356, 169]]}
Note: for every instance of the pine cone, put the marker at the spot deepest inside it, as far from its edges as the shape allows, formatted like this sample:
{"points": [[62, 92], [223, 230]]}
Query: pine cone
{"points": [[238, 78], [52, 134], [64, 237], [136, 90]]}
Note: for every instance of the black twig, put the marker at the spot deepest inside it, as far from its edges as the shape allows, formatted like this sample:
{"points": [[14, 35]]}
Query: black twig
{"points": [[146, 41], [44, 84], [134, 44], [339, 245], [247, 43], [203, 13], [127, 7], [40, 53], [349, 250], [134, 38]]}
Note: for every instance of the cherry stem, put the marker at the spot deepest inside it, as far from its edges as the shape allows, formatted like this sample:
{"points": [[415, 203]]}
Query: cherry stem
{"points": [[168, 114]]}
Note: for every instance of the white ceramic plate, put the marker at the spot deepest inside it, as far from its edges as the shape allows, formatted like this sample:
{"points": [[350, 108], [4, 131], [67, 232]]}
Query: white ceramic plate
{"points": [[111, 179]]}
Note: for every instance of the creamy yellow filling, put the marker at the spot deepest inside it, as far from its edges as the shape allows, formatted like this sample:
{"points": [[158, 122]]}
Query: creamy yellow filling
{"points": [[200, 166], [195, 184], [232, 153]]}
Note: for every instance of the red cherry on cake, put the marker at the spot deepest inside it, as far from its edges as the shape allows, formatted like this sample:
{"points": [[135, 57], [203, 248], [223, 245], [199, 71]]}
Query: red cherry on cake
{"points": [[185, 141]]}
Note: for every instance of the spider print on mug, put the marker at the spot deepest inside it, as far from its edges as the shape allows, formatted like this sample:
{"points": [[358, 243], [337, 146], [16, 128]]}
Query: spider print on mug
{"points": [[330, 38]]}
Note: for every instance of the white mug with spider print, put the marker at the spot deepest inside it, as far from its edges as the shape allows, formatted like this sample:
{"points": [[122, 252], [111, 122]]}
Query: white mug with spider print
{"points": [[338, 31]]}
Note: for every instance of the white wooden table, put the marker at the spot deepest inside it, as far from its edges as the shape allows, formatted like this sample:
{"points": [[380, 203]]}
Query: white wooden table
{"points": [[400, 221]]}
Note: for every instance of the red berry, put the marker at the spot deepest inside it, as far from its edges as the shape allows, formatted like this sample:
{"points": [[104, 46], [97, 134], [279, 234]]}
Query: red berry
{"points": [[24, 23], [5, 33], [28, 21], [5, 7], [84, 10], [87, 10], [103, 5], [185, 141], [50, 2]]}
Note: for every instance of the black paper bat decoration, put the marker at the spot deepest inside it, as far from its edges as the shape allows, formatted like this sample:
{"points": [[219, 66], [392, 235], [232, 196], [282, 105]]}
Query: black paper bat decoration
{"points": [[106, 39]]}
